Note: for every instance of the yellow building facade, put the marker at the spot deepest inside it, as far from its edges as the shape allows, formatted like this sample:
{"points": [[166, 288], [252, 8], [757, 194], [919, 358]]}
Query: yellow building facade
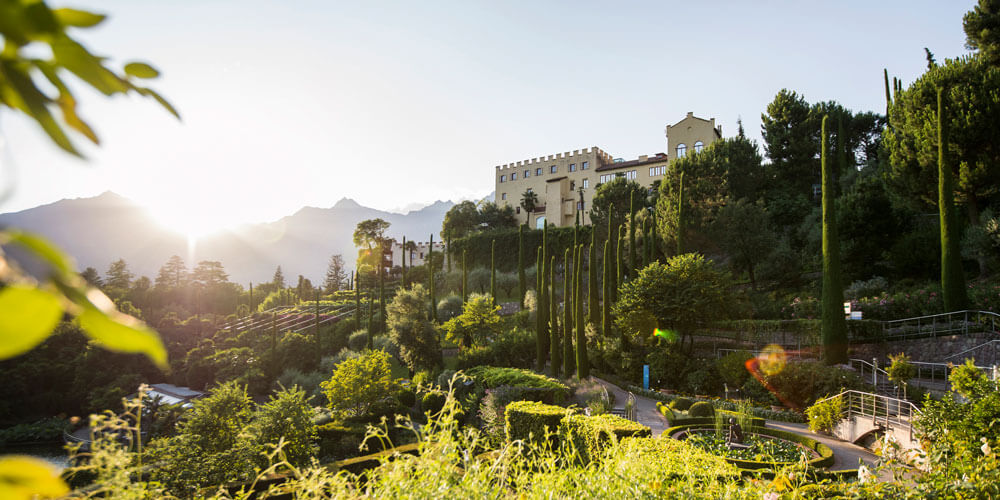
{"points": [[565, 183]]}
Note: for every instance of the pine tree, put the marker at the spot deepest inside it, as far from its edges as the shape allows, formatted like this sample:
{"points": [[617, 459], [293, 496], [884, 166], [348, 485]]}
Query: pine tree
{"points": [[680, 214], [522, 280], [952, 278], [493, 272], [631, 235], [834, 328], [592, 294], [430, 273], [540, 314], [569, 356], [606, 303], [555, 346], [582, 363]]}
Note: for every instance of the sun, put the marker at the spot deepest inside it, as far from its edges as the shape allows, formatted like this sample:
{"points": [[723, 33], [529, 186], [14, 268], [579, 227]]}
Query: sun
{"points": [[188, 221]]}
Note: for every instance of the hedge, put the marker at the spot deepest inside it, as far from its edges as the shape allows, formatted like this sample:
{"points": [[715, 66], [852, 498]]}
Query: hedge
{"points": [[722, 404], [591, 435], [358, 465], [702, 409], [540, 387], [824, 460], [529, 420], [675, 418], [478, 245]]}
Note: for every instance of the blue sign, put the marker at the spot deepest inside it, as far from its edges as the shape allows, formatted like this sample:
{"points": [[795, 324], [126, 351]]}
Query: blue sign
{"points": [[645, 377]]}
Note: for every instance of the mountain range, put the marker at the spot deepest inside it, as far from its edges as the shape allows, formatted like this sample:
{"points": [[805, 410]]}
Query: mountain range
{"points": [[99, 230]]}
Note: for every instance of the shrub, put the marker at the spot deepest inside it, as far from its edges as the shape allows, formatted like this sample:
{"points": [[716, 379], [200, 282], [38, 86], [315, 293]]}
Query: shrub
{"points": [[422, 378], [531, 420], [681, 404], [433, 402], [869, 288], [449, 307], [703, 381], [901, 370], [800, 384], [515, 348], [701, 409], [732, 368], [406, 397], [824, 415], [338, 440], [479, 322], [358, 340], [548, 389], [589, 436], [358, 383]]}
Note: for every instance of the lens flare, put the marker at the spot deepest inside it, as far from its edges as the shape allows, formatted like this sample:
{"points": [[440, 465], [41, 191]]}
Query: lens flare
{"points": [[668, 335], [772, 359]]}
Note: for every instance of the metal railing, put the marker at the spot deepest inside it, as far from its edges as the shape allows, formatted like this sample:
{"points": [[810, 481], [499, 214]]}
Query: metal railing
{"points": [[935, 325], [885, 411], [961, 356], [870, 372], [720, 352]]}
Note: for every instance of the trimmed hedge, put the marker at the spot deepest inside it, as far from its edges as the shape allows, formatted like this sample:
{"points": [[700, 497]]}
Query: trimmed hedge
{"points": [[722, 404], [675, 418], [591, 435], [825, 458], [536, 386], [701, 409], [681, 404], [358, 465], [529, 420]]}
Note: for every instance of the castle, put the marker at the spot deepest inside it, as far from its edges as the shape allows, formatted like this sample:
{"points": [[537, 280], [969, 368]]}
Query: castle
{"points": [[565, 183]]}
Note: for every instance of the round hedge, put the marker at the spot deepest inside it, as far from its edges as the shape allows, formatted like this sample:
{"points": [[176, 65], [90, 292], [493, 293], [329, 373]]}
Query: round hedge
{"points": [[824, 460], [406, 397], [681, 404], [701, 409], [432, 402]]}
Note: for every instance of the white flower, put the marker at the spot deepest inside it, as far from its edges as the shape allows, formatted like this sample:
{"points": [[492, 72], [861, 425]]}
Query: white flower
{"points": [[985, 447], [770, 496], [864, 475]]}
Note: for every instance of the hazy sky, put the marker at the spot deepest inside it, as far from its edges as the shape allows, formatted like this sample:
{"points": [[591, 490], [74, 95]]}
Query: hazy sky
{"points": [[295, 103]]}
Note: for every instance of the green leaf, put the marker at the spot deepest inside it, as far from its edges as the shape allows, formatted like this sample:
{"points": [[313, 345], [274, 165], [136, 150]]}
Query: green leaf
{"points": [[22, 94], [41, 248], [163, 102], [141, 70], [120, 332], [78, 18], [23, 477], [75, 57], [27, 316]]}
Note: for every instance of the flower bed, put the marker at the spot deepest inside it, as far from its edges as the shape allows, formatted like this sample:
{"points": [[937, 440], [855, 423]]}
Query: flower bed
{"points": [[723, 404], [767, 456]]}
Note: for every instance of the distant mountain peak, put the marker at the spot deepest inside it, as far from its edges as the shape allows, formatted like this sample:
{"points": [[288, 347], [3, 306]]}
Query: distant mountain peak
{"points": [[346, 204]]}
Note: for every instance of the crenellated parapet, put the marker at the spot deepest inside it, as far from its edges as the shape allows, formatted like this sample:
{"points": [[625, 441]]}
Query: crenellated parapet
{"points": [[596, 152]]}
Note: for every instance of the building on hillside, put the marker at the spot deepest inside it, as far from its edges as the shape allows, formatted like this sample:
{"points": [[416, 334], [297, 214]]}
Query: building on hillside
{"points": [[417, 254], [565, 183]]}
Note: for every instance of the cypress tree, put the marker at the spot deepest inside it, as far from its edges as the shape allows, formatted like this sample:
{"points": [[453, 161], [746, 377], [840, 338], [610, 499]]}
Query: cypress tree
{"points": [[606, 303], [631, 235], [430, 272], [357, 302], [447, 252], [493, 272], [371, 318], [319, 341], [465, 276], [952, 279], [381, 301], [834, 328], [582, 363], [250, 308], [888, 98], [569, 356], [555, 346], [592, 293], [648, 244], [680, 214], [654, 243], [522, 280], [403, 277], [540, 317], [621, 256]]}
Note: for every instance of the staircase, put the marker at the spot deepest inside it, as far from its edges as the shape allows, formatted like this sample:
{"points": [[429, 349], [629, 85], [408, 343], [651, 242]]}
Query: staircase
{"points": [[984, 323], [871, 373], [864, 413]]}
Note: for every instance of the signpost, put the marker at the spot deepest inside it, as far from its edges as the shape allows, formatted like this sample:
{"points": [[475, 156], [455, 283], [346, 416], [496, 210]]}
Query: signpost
{"points": [[645, 377]]}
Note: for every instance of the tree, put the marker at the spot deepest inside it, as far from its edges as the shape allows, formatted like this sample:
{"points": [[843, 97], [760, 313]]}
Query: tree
{"points": [[611, 202], [582, 364], [529, 201], [952, 277], [744, 233], [493, 216], [522, 282], [336, 275], [541, 321], [569, 356], [789, 128], [479, 323], [680, 295], [460, 220], [370, 233], [92, 277], [358, 383], [555, 342], [173, 274], [287, 416], [982, 29], [209, 273], [834, 328], [278, 280], [118, 275], [411, 329]]}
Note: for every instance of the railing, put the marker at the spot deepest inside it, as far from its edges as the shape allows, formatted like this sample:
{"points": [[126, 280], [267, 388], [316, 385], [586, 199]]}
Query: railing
{"points": [[720, 352], [962, 355], [935, 325], [885, 411], [870, 372]]}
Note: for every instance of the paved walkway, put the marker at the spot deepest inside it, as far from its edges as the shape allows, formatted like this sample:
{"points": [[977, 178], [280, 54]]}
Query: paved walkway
{"points": [[846, 455]]}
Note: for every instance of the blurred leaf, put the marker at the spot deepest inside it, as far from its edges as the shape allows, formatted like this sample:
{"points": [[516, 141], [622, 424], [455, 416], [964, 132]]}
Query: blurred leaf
{"points": [[41, 247], [124, 333], [24, 477], [29, 316], [163, 102], [23, 95], [141, 70], [67, 103], [75, 57], [78, 18]]}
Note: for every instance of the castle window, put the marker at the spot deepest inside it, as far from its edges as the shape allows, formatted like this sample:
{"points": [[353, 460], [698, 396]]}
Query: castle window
{"points": [[503, 178], [517, 210], [553, 169], [698, 146], [527, 173], [538, 171], [540, 223], [654, 171], [585, 165], [630, 175], [586, 183], [503, 196], [681, 150], [572, 167], [513, 176]]}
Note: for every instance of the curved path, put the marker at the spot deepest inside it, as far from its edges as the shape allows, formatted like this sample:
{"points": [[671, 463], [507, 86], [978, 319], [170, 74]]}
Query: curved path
{"points": [[846, 455]]}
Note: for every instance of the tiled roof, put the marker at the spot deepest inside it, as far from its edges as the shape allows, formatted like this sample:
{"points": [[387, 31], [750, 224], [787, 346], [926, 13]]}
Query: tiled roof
{"points": [[657, 158]]}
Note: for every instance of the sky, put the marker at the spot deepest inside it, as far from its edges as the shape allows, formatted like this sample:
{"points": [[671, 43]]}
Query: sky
{"points": [[397, 104]]}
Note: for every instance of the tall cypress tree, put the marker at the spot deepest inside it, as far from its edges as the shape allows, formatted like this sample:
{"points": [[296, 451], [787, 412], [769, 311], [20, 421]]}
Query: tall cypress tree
{"points": [[319, 341], [569, 355], [555, 346], [680, 213], [631, 235], [606, 303], [582, 363], [447, 252], [493, 272], [540, 315], [647, 243], [834, 328], [522, 280], [952, 278], [430, 273], [381, 302], [621, 255], [655, 241], [593, 307], [465, 276], [888, 98], [402, 281], [357, 300]]}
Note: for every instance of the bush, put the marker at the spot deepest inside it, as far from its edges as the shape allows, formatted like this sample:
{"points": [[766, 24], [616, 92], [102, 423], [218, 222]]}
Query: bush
{"points": [[800, 384], [702, 409], [433, 402], [681, 404], [869, 288], [359, 383], [732, 368], [338, 440], [703, 381], [358, 340], [449, 307], [589, 436], [406, 397], [824, 415], [515, 348], [548, 389], [422, 378], [531, 420]]}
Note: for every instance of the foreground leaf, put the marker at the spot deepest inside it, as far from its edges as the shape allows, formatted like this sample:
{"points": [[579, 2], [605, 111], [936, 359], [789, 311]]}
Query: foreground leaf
{"points": [[29, 316], [120, 332], [78, 18], [27, 477], [141, 70], [40, 247]]}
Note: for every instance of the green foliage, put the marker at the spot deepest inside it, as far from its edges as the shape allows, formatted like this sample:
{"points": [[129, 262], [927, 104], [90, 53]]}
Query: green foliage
{"points": [[824, 415], [358, 340], [479, 323], [44, 430], [515, 347], [358, 383], [701, 409], [834, 325], [799, 384], [590, 437], [287, 415], [532, 421], [478, 246], [732, 368], [432, 402], [952, 276], [411, 329], [548, 389], [969, 381], [901, 370], [681, 404]]}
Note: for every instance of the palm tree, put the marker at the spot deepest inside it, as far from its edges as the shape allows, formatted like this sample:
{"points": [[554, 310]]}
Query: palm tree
{"points": [[529, 200]]}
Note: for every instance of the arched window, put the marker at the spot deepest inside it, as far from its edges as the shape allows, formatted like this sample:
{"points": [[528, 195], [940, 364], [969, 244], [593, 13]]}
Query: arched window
{"points": [[698, 146], [681, 150], [540, 223]]}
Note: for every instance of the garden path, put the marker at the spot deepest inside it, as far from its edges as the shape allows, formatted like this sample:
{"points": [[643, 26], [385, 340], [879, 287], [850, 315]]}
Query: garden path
{"points": [[846, 455]]}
